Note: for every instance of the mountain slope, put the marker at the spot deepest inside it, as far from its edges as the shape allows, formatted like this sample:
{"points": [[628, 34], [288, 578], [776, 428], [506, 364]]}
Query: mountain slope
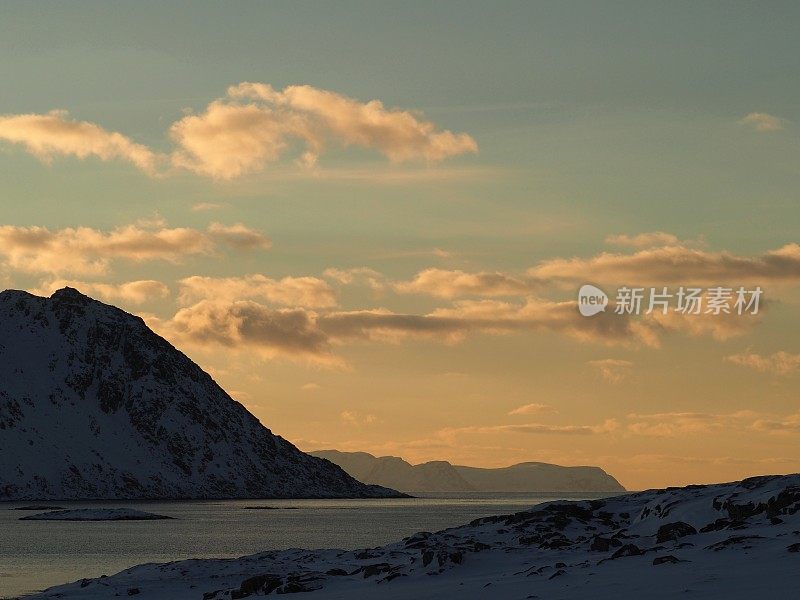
{"points": [[735, 541], [441, 476], [93, 404]]}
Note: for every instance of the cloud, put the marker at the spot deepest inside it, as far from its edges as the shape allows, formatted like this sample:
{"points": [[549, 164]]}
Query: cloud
{"points": [[357, 276], [762, 122], [248, 326], [352, 417], [54, 133], [134, 292], [675, 265], [690, 423], [239, 236], [779, 363], [288, 291], [208, 206], [652, 265], [251, 126], [87, 251], [672, 424], [787, 424], [531, 409], [256, 124], [310, 387], [611, 369], [485, 316], [398, 134], [450, 284], [644, 240], [607, 426], [301, 332]]}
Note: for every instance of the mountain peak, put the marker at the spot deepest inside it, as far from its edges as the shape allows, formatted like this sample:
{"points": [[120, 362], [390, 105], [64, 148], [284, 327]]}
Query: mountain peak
{"points": [[95, 405], [70, 294]]}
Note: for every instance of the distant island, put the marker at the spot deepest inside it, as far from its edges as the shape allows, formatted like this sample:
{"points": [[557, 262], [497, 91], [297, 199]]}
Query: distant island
{"points": [[441, 476]]}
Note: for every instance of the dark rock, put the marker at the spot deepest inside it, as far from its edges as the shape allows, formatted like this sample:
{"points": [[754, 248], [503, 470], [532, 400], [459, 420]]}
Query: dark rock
{"points": [[673, 531], [264, 584], [627, 550], [669, 559]]}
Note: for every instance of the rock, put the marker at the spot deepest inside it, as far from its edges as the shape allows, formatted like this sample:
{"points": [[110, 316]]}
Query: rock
{"points": [[255, 585], [673, 531], [669, 559], [627, 550]]}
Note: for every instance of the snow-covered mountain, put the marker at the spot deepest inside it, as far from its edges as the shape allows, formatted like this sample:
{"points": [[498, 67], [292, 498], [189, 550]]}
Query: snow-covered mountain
{"points": [[441, 476], [93, 404], [736, 541]]}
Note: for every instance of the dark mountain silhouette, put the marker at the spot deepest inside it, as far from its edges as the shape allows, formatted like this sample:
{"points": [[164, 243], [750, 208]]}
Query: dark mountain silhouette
{"points": [[93, 404], [441, 476]]}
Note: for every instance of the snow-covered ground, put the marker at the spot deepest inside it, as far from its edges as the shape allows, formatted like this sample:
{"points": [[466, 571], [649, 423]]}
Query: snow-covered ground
{"points": [[727, 541], [95, 514]]}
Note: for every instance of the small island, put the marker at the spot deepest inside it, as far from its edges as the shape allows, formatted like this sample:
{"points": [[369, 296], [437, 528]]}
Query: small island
{"points": [[95, 514]]}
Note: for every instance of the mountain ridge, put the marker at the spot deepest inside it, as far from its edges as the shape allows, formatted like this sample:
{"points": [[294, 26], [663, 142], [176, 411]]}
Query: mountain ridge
{"points": [[95, 405], [442, 476]]}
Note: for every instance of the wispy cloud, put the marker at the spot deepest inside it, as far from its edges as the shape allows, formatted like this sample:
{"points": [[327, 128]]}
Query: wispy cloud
{"points": [[256, 124], [644, 240], [648, 265], [353, 417], [251, 126], [763, 122], [289, 291], [779, 363], [208, 206], [675, 265], [611, 369], [88, 251], [450, 284], [532, 409], [607, 426], [55, 133]]}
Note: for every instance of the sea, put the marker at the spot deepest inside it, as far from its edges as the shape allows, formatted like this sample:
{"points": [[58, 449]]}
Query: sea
{"points": [[35, 555]]}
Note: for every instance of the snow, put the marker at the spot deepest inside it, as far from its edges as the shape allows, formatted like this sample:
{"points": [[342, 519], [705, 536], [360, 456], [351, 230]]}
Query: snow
{"points": [[94, 405], [733, 541], [95, 514]]}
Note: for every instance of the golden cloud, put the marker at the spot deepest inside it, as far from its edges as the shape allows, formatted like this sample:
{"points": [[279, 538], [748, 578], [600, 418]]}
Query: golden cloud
{"points": [[256, 124], [253, 125], [88, 251], [779, 363], [54, 133], [762, 122], [288, 291]]}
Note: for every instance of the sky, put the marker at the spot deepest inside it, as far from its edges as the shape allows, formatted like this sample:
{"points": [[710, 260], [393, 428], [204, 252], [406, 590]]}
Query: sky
{"points": [[370, 221]]}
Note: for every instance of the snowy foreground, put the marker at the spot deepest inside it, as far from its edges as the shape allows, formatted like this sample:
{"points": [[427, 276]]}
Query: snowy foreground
{"points": [[729, 541]]}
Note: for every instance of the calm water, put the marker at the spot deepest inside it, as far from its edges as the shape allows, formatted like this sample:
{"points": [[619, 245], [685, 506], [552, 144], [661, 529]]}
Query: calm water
{"points": [[37, 554]]}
